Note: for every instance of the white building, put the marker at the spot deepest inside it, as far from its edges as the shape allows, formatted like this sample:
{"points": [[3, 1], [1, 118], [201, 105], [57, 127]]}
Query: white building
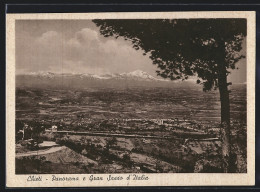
{"points": [[54, 128]]}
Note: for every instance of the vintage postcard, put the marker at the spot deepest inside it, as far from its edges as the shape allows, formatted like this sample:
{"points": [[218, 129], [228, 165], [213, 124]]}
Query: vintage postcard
{"points": [[130, 99]]}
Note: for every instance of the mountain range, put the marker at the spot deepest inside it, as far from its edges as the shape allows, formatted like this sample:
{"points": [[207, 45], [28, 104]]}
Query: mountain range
{"points": [[136, 78], [134, 75]]}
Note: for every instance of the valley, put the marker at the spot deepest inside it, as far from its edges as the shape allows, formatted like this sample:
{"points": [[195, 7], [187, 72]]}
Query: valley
{"points": [[127, 128]]}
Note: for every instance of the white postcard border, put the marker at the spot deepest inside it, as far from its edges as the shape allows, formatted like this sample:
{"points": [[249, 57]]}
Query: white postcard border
{"points": [[155, 179]]}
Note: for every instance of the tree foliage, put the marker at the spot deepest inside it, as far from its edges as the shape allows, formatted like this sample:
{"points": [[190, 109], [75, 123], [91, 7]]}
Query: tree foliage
{"points": [[183, 47]]}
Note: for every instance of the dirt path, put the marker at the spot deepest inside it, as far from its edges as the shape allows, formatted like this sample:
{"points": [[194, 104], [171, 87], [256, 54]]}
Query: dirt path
{"points": [[40, 152]]}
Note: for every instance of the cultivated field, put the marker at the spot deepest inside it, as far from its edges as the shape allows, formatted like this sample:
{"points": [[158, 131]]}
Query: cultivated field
{"points": [[170, 128]]}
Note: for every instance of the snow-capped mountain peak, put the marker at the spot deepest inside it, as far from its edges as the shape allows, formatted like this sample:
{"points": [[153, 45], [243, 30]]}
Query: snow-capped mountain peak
{"points": [[42, 74], [93, 76], [138, 75]]}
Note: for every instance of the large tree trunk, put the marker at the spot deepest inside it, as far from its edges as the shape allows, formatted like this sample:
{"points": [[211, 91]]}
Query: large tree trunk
{"points": [[225, 115]]}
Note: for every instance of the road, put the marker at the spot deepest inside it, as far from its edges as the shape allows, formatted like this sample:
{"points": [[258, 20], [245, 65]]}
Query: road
{"points": [[40, 152], [178, 135]]}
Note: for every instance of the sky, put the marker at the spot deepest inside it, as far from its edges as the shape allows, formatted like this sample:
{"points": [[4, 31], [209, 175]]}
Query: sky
{"points": [[76, 46]]}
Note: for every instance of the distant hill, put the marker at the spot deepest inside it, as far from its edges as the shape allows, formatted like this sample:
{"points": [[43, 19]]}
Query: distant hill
{"points": [[136, 78]]}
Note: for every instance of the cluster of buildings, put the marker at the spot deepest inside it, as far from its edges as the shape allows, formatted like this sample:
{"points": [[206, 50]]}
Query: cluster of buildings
{"points": [[118, 125]]}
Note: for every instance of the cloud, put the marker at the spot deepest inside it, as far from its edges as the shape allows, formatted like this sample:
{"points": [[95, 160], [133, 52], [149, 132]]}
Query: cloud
{"points": [[48, 37], [87, 35], [84, 52]]}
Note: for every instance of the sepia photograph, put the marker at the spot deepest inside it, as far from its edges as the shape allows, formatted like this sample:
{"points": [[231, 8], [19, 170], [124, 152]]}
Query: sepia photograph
{"points": [[108, 95]]}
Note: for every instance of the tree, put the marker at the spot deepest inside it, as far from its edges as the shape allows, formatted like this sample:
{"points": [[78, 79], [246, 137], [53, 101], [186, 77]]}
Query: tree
{"points": [[206, 48]]}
